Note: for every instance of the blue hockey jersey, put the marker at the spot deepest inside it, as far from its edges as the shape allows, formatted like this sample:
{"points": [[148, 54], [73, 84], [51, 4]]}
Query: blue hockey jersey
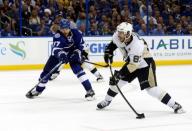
{"points": [[67, 44]]}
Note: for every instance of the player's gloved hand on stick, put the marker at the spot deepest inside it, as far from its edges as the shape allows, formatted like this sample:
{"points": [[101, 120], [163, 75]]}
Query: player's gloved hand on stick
{"points": [[114, 80], [76, 56], [108, 57], [62, 56]]}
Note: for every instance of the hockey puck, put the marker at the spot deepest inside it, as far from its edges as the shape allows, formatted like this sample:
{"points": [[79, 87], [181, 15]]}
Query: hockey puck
{"points": [[140, 116]]}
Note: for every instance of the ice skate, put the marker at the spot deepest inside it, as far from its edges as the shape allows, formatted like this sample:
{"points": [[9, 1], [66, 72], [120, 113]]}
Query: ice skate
{"points": [[103, 104], [178, 108], [36, 91], [90, 95], [100, 78], [54, 76]]}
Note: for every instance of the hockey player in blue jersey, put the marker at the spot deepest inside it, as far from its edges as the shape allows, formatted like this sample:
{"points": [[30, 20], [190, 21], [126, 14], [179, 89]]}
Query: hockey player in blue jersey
{"points": [[67, 47], [85, 65]]}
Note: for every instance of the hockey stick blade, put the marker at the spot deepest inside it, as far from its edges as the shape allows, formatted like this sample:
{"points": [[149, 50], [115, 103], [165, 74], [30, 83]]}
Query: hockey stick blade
{"points": [[50, 72], [140, 116]]}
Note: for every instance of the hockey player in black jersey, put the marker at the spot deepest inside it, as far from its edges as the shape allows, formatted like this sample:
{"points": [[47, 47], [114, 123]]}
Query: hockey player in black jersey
{"points": [[67, 47], [138, 64]]}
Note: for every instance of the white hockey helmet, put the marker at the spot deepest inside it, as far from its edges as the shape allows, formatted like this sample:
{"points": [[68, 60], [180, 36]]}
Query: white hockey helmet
{"points": [[125, 27]]}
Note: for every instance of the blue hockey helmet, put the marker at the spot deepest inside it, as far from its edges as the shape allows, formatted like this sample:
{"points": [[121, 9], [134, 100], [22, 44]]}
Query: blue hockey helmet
{"points": [[64, 24]]}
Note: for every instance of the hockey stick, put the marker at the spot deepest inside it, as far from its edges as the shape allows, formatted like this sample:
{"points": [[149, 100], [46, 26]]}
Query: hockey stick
{"points": [[139, 116], [50, 72], [96, 64]]}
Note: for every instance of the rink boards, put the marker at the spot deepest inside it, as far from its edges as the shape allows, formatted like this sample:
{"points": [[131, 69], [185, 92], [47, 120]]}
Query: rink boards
{"points": [[33, 52]]}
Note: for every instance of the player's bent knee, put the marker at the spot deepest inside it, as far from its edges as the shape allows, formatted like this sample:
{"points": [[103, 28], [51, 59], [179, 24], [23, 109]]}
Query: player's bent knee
{"points": [[114, 89], [156, 92], [120, 84]]}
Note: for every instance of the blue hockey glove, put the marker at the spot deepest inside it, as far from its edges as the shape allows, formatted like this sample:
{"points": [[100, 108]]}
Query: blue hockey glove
{"points": [[76, 56], [62, 56]]}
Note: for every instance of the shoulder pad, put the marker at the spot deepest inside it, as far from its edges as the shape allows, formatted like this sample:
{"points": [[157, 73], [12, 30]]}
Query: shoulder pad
{"points": [[57, 35], [76, 31]]}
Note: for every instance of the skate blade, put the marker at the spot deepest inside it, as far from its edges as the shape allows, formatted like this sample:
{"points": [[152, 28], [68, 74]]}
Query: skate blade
{"points": [[180, 111], [100, 80], [90, 98]]}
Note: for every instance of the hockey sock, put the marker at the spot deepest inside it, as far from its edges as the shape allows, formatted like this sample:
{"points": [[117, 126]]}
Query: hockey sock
{"points": [[95, 72], [160, 94], [110, 95], [87, 85], [167, 100], [84, 80], [41, 84]]}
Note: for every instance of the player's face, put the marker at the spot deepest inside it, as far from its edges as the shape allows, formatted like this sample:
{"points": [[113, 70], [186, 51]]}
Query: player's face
{"points": [[121, 36], [66, 31]]}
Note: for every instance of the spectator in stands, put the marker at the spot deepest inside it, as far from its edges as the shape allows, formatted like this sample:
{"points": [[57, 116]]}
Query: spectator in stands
{"points": [[106, 30], [150, 17], [119, 20], [143, 30], [82, 28], [47, 17], [7, 30], [104, 13], [104, 20], [158, 31], [152, 25], [125, 9], [134, 6], [104, 7], [34, 20], [178, 30], [81, 21], [171, 25], [137, 21], [42, 29], [93, 31], [71, 13], [143, 8], [72, 22], [187, 10]]}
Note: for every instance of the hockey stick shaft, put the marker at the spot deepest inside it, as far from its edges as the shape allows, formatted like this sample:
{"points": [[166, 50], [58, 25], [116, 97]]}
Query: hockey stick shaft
{"points": [[96, 64], [138, 115], [51, 71]]}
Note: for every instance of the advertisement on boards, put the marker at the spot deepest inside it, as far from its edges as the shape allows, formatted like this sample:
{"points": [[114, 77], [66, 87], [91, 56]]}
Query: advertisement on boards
{"points": [[18, 51], [162, 48], [170, 47], [26, 51]]}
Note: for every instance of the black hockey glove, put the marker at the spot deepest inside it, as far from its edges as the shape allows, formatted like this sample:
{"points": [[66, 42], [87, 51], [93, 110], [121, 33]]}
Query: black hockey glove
{"points": [[114, 80], [108, 57], [62, 56], [76, 56], [84, 56]]}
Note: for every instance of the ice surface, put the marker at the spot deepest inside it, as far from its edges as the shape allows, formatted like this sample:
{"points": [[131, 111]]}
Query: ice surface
{"points": [[62, 106]]}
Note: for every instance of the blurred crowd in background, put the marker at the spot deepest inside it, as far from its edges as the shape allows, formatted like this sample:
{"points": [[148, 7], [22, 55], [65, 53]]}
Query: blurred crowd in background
{"points": [[95, 17]]}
